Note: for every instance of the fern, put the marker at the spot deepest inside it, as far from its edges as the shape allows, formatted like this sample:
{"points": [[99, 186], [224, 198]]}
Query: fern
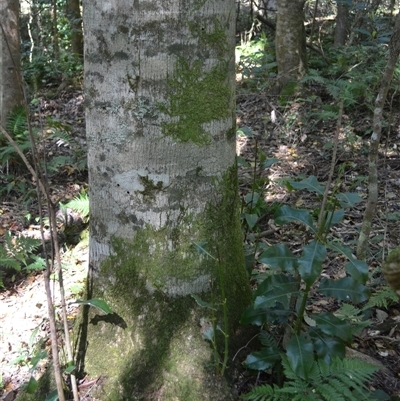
{"points": [[17, 122], [343, 380], [382, 298], [80, 204]]}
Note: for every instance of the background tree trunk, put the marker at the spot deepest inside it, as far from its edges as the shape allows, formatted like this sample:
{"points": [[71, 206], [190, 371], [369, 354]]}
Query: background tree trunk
{"points": [[10, 59], [161, 155], [290, 41], [73, 12], [342, 24]]}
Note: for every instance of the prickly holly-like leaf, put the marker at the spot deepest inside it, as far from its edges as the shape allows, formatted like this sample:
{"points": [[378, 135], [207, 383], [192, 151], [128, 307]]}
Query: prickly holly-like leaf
{"points": [[53, 396], [358, 269], [344, 289], [276, 288], [41, 354], [242, 161], [269, 162], [254, 316], [97, 303], [245, 131], [300, 354], [31, 386], [327, 347], [286, 214], [311, 184], [310, 262], [333, 326], [348, 199], [333, 218], [279, 257], [262, 360], [251, 219]]}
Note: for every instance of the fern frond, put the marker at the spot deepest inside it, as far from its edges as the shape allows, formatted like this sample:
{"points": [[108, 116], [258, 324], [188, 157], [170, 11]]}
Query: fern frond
{"points": [[267, 339], [37, 264], [17, 121], [80, 204], [382, 298]]}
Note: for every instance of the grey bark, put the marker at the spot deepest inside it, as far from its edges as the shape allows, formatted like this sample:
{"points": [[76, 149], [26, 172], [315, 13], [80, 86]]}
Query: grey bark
{"points": [[342, 24], [373, 157], [73, 12], [290, 41], [10, 68], [159, 80]]}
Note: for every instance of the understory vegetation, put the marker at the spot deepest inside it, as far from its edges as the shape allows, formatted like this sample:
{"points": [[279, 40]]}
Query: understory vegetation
{"points": [[303, 173]]}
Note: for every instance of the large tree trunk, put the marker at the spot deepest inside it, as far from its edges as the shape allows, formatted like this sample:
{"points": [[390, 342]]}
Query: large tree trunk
{"points": [[290, 41], [159, 80], [10, 60]]}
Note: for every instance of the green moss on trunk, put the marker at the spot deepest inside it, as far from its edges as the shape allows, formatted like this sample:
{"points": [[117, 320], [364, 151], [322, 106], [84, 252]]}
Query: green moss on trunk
{"points": [[152, 347]]}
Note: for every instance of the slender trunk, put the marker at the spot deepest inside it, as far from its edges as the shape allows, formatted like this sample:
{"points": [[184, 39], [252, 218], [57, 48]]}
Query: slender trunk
{"points": [[290, 41], [373, 190], [10, 60], [342, 25], [73, 12]]}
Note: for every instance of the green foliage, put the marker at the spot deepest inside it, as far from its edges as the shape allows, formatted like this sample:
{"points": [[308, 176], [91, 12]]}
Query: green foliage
{"points": [[18, 253], [30, 355], [382, 298], [343, 379], [255, 63], [80, 204], [282, 297]]}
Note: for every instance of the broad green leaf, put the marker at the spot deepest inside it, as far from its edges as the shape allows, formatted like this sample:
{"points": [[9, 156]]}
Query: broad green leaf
{"points": [[310, 262], [251, 199], [358, 269], [202, 303], [276, 288], [242, 161], [70, 368], [344, 289], [333, 219], [279, 257], [53, 396], [348, 199], [264, 359], [286, 214], [41, 354], [245, 131], [254, 316], [333, 326], [251, 220], [300, 354], [269, 162], [311, 184], [31, 386], [327, 347], [97, 303]]}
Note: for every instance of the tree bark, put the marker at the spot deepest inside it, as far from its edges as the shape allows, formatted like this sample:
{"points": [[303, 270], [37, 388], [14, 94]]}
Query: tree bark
{"points": [[164, 222], [342, 24], [73, 12], [10, 59], [290, 41], [373, 157]]}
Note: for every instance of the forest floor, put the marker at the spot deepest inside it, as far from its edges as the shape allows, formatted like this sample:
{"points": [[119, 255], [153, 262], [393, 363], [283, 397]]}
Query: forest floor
{"points": [[303, 148]]}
